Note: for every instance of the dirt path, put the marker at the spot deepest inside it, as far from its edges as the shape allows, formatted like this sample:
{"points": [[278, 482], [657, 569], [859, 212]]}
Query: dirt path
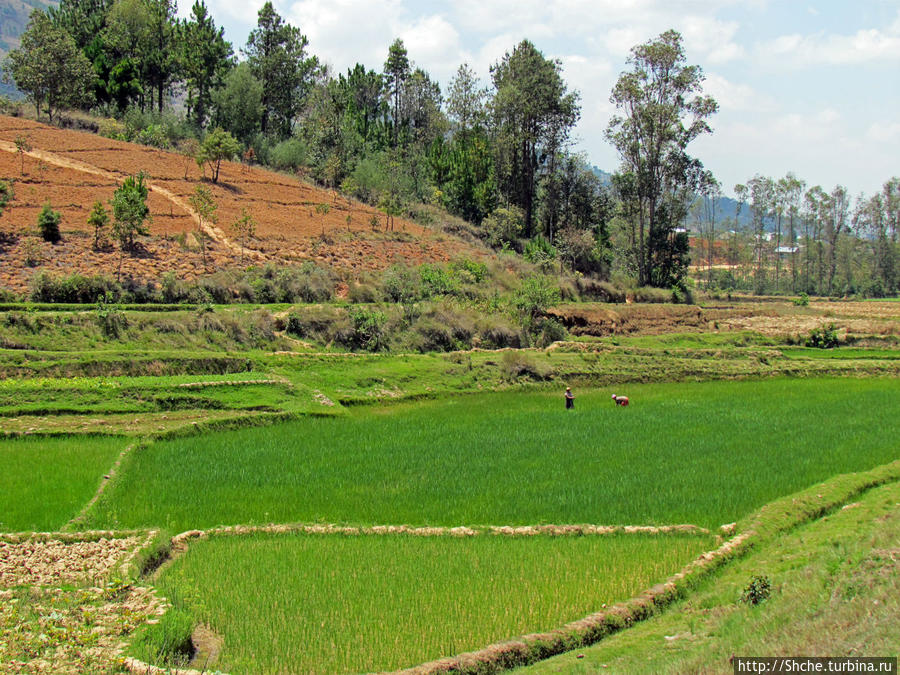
{"points": [[211, 231]]}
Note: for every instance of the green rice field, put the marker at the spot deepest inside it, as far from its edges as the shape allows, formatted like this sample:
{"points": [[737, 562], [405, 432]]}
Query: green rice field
{"points": [[312, 603], [44, 482], [701, 453]]}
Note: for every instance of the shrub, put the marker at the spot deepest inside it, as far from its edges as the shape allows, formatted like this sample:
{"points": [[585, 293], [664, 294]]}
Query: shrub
{"points": [[536, 294], [111, 319], [368, 328], [515, 364], [289, 155], [825, 337], [503, 226], [74, 289], [603, 291], [495, 332], [548, 331], [758, 590], [540, 252], [48, 224], [401, 284], [802, 300], [650, 294], [437, 280]]}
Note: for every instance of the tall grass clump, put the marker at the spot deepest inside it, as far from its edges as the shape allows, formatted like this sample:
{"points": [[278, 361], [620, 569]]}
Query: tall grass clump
{"points": [[333, 603]]}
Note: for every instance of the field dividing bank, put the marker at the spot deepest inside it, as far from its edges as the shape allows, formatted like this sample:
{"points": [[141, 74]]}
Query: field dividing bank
{"points": [[334, 603], [44, 481], [699, 453]]}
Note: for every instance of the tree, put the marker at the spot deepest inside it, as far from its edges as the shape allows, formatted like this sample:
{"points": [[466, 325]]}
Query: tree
{"points": [[396, 72], [205, 57], [217, 146], [160, 61], [204, 205], [762, 204], [276, 53], [532, 116], [99, 221], [48, 224], [130, 212], [245, 228], [238, 104], [49, 67], [660, 112], [466, 100], [23, 145]]}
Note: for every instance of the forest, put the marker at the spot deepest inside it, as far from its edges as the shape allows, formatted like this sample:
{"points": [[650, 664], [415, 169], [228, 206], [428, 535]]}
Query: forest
{"points": [[498, 154]]}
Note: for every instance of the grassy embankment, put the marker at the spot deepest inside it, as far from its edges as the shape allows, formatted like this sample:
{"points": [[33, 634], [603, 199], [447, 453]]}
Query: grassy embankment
{"points": [[307, 603], [702, 453]]}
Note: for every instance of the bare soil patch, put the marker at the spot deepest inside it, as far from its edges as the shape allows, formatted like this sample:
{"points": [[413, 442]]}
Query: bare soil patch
{"points": [[71, 170], [39, 562]]}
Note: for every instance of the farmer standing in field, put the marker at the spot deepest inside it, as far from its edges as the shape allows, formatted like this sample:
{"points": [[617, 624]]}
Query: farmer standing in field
{"points": [[570, 398]]}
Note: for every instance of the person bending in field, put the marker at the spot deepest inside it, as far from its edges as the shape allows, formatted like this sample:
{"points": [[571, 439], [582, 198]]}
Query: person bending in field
{"points": [[570, 398], [620, 400]]}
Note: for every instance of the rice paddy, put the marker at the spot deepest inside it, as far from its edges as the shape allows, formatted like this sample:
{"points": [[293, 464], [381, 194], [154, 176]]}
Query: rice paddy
{"points": [[332, 603], [44, 482], [701, 453]]}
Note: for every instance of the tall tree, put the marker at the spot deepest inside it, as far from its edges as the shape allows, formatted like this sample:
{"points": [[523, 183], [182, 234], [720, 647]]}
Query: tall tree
{"points": [[762, 205], [396, 73], [276, 52], [161, 59], [238, 104], [533, 114], [661, 110], [49, 67], [205, 59], [466, 101]]}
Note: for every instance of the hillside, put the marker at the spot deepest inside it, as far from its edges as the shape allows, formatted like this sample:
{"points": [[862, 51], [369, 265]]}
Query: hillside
{"points": [[71, 170]]}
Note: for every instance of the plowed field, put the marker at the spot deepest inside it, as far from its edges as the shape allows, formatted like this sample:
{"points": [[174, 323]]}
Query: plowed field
{"points": [[71, 170]]}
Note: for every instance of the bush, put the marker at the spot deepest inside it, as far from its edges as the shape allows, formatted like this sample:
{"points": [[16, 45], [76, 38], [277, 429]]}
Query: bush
{"points": [[515, 364], [73, 289], [442, 329], [540, 252], [495, 332], [758, 590], [503, 226], [48, 224], [437, 280], [401, 284], [650, 294], [536, 294], [289, 155], [603, 291], [825, 337], [548, 331], [368, 328], [802, 300], [111, 319]]}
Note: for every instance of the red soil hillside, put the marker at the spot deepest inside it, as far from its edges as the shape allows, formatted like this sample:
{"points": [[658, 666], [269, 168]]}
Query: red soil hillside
{"points": [[73, 169]]}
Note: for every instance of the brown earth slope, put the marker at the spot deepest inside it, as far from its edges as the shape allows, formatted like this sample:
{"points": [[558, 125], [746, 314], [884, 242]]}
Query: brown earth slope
{"points": [[71, 170]]}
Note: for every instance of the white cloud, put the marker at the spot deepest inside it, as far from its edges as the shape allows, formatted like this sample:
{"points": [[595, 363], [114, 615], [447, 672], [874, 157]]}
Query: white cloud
{"points": [[736, 96], [884, 132], [863, 46]]}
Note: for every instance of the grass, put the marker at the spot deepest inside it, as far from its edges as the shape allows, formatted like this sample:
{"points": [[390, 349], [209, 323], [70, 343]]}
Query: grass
{"points": [[308, 603], [836, 592], [703, 453], [44, 482]]}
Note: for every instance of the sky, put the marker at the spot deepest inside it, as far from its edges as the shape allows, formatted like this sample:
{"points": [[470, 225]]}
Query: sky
{"points": [[811, 87]]}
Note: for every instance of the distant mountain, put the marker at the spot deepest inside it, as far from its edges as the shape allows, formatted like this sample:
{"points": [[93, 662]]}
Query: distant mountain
{"points": [[13, 22], [726, 207]]}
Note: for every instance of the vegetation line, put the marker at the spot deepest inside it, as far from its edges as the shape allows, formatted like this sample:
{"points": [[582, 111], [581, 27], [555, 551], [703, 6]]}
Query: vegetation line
{"points": [[79, 519]]}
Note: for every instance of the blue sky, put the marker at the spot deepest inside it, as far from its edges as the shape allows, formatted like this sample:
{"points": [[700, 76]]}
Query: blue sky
{"points": [[810, 87]]}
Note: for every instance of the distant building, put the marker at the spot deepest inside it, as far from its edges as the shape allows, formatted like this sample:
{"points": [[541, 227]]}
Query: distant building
{"points": [[787, 250]]}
